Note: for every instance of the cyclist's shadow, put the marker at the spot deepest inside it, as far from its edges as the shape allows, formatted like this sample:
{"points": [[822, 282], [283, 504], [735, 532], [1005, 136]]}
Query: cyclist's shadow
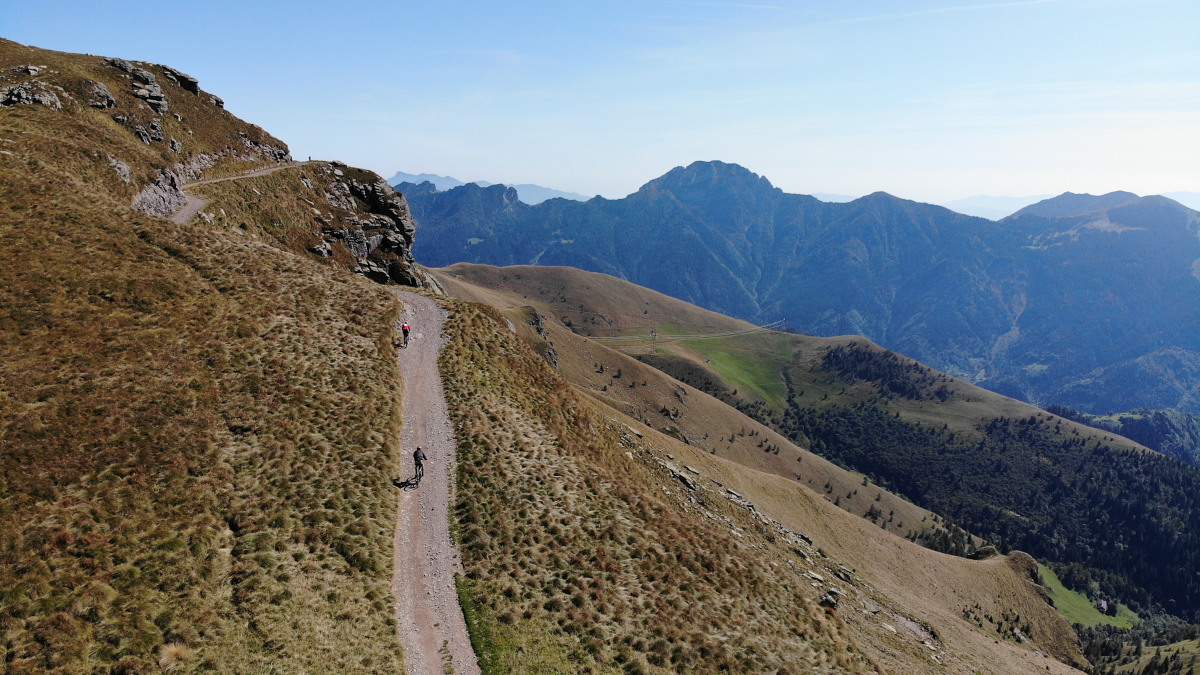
{"points": [[410, 484]]}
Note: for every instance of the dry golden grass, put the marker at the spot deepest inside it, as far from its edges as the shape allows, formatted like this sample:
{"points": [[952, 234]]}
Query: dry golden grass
{"points": [[197, 427], [574, 561]]}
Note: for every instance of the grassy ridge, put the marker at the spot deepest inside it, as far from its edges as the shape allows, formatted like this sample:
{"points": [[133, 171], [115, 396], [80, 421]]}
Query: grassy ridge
{"points": [[526, 494], [195, 459]]}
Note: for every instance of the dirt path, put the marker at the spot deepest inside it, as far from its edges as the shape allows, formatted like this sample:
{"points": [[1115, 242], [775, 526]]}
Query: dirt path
{"points": [[191, 207], [429, 620], [193, 204]]}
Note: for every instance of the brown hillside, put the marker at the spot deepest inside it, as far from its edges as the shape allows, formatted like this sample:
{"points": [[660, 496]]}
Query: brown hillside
{"points": [[572, 296], [197, 426], [198, 423], [659, 402], [588, 545]]}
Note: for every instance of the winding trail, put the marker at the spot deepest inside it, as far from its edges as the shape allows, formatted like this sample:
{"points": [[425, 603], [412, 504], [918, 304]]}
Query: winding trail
{"points": [[193, 204], [429, 619]]}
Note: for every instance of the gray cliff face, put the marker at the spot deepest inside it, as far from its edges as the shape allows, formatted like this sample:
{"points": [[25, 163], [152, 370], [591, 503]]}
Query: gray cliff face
{"points": [[379, 230]]}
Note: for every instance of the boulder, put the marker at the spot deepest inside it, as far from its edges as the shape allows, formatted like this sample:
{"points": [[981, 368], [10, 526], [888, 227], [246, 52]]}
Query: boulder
{"points": [[100, 97], [181, 78], [144, 76], [152, 94], [119, 64], [985, 553]]}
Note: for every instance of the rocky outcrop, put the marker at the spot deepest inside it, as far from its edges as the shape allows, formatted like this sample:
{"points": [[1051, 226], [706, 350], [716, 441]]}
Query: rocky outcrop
{"points": [[145, 84], [187, 82], [265, 151], [165, 196], [162, 197], [34, 92], [121, 168], [378, 230], [99, 96]]}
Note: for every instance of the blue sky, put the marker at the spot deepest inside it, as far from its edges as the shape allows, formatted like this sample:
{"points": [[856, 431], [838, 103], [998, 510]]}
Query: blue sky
{"points": [[926, 99]]}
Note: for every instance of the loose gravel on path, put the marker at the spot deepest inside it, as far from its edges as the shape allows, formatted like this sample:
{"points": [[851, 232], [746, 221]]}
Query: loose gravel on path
{"points": [[429, 619]]}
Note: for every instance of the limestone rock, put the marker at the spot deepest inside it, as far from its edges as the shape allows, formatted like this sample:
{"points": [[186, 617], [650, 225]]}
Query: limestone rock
{"points": [[378, 226], [119, 64], [181, 78], [30, 93], [144, 76], [100, 97], [275, 152], [162, 197]]}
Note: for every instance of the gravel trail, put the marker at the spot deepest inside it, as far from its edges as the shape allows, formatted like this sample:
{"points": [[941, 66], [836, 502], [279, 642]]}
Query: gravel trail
{"points": [[193, 204], [429, 620]]}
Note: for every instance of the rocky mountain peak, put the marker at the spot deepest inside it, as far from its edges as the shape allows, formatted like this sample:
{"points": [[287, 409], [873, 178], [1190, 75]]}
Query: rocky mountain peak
{"points": [[706, 177]]}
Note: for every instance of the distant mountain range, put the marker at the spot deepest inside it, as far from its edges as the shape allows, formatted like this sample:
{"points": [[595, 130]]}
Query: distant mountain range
{"points": [[1091, 302], [530, 194]]}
